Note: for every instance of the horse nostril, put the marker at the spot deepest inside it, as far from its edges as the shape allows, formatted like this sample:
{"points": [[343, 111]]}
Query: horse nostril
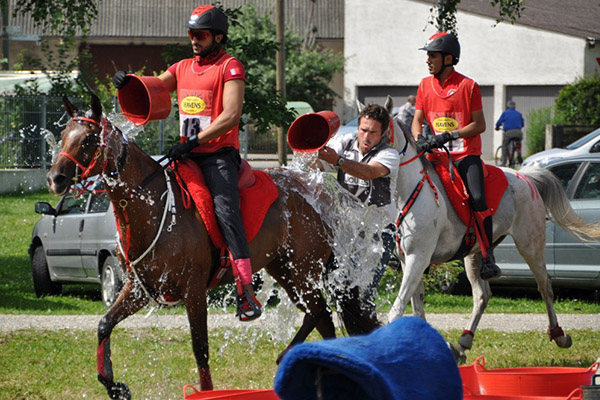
{"points": [[56, 182]]}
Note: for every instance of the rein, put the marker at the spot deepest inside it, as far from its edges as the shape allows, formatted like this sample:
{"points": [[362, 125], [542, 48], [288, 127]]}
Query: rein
{"points": [[417, 190]]}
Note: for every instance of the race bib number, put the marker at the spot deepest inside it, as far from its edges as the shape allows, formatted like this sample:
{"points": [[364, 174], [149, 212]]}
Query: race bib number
{"points": [[191, 126]]}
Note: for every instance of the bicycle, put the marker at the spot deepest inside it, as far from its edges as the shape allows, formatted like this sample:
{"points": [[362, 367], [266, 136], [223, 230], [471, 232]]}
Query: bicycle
{"points": [[513, 157]]}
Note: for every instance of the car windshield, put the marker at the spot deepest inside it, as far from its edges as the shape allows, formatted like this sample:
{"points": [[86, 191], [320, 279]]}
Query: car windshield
{"points": [[580, 142]]}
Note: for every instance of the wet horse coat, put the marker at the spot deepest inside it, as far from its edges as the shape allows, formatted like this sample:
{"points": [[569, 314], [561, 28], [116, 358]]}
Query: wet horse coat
{"points": [[166, 247]]}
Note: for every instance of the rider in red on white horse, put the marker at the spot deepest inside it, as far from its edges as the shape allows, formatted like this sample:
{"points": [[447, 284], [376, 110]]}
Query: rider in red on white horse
{"points": [[210, 93], [451, 104]]}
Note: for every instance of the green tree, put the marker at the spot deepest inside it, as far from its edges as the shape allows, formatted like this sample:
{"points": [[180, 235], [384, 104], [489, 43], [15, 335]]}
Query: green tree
{"points": [[579, 102], [443, 13], [65, 19]]}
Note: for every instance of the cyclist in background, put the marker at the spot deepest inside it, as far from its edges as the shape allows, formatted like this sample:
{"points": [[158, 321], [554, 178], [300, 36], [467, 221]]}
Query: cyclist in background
{"points": [[512, 122]]}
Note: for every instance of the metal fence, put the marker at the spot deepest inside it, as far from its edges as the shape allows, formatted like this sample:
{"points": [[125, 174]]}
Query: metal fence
{"points": [[26, 121]]}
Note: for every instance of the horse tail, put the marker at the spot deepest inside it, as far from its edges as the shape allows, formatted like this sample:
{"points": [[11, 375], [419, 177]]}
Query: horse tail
{"points": [[557, 203]]}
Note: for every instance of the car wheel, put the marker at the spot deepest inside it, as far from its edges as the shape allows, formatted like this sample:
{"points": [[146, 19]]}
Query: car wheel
{"points": [[111, 281], [42, 283]]}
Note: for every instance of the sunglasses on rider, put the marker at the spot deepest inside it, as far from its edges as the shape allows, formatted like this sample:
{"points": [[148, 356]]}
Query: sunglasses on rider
{"points": [[198, 35]]}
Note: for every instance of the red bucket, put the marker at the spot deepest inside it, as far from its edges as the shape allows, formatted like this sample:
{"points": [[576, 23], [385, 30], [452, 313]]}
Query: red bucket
{"points": [[143, 99], [550, 382], [310, 132], [228, 394]]}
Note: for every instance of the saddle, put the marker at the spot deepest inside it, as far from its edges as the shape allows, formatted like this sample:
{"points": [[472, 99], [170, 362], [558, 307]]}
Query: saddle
{"points": [[495, 183], [257, 194]]}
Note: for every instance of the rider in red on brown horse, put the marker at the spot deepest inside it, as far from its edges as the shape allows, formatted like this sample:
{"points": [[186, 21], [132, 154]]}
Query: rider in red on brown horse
{"points": [[210, 93]]}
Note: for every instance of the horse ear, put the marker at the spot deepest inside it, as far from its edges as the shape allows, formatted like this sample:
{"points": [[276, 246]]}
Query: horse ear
{"points": [[96, 106], [389, 104], [359, 105], [69, 107]]}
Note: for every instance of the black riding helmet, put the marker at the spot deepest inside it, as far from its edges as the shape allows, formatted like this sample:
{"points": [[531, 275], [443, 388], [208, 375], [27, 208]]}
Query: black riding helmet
{"points": [[444, 43], [209, 18]]}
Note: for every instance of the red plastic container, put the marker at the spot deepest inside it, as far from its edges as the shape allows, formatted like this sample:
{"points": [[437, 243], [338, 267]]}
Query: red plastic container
{"points": [[310, 132], [535, 382], [143, 99], [228, 394]]}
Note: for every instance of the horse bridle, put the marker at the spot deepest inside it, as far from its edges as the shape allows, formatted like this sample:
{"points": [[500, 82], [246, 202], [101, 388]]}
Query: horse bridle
{"points": [[103, 126]]}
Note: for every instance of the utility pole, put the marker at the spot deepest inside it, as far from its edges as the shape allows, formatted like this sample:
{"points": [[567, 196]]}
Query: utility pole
{"points": [[280, 79], [5, 39]]}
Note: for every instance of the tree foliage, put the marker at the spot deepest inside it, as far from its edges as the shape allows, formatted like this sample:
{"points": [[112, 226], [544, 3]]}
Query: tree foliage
{"points": [[443, 13], [579, 103]]}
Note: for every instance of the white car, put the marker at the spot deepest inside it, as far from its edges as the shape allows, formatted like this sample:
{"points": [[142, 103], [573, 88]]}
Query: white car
{"points": [[586, 145], [76, 242]]}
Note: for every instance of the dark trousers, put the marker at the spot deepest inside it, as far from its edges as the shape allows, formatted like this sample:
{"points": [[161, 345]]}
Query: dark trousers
{"points": [[220, 170]]}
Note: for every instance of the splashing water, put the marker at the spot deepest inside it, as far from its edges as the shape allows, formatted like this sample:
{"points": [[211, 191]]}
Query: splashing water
{"points": [[355, 226]]}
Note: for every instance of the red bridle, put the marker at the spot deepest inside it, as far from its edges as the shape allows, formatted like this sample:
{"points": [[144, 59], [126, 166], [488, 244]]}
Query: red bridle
{"points": [[87, 170]]}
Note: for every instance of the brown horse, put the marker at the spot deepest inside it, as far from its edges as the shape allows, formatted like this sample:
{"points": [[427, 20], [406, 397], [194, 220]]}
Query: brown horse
{"points": [[171, 256]]}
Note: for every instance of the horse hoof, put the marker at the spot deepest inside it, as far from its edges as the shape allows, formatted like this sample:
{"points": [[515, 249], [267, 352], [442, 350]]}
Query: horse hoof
{"points": [[119, 391], [564, 342], [459, 356]]}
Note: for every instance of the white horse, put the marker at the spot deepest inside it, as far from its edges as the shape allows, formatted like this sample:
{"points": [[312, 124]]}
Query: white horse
{"points": [[431, 233]]}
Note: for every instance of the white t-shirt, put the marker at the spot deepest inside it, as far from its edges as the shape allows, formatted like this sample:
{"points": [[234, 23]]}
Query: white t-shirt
{"points": [[380, 191]]}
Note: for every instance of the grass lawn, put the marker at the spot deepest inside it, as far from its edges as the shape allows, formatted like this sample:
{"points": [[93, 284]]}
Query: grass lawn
{"points": [[17, 295], [156, 363]]}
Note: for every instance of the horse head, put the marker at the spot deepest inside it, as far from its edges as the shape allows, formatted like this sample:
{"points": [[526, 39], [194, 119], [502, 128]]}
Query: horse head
{"points": [[80, 147], [397, 127]]}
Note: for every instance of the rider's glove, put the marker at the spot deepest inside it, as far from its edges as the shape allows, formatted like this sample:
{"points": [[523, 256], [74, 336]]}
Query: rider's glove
{"points": [[181, 150], [120, 79], [422, 144], [438, 141]]}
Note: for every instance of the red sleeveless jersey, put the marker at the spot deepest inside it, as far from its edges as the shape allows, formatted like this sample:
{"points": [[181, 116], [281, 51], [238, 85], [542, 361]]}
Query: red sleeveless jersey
{"points": [[449, 107], [200, 99]]}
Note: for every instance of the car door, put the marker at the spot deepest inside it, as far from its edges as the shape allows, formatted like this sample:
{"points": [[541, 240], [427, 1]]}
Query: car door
{"points": [[62, 242], [575, 260], [97, 231]]}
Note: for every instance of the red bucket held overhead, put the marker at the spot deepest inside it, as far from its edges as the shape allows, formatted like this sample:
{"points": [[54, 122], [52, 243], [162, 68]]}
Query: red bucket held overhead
{"points": [[143, 99], [310, 132]]}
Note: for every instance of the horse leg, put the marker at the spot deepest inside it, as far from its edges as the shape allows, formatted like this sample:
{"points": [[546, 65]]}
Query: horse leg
{"points": [[196, 309], [412, 283], [532, 250], [418, 301], [481, 296], [128, 303]]}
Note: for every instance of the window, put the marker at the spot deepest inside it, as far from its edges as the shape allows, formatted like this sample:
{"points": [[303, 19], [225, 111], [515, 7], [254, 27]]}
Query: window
{"points": [[99, 202], [565, 172], [73, 205], [589, 187]]}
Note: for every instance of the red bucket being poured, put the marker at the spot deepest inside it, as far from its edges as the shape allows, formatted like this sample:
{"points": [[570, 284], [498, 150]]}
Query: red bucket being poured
{"points": [[310, 132], [143, 99]]}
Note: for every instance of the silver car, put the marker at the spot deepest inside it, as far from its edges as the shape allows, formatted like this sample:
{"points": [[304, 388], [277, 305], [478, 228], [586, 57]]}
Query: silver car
{"points": [[586, 145], [76, 243], [570, 262]]}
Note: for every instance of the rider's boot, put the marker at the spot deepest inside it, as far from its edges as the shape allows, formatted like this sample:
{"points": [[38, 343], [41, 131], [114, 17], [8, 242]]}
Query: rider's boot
{"points": [[484, 225], [248, 307]]}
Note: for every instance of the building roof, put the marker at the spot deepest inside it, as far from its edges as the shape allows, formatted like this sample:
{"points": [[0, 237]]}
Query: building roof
{"points": [[580, 18], [166, 18]]}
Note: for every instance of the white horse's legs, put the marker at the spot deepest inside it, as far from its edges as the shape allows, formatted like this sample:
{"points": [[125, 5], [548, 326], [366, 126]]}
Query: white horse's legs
{"points": [[481, 296], [532, 250], [418, 301], [412, 284]]}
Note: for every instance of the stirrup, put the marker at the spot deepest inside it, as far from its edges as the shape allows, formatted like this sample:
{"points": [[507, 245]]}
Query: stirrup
{"points": [[489, 269], [248, 307]]}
